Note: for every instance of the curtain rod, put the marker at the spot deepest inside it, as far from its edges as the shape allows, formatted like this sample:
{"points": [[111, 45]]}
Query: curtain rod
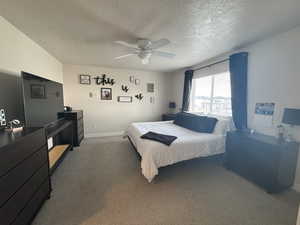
{"points": [[212, 64]]}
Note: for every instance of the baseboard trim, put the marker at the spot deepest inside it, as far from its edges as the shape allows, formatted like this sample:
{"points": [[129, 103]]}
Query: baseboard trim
{"points": [[296, 187], [104, 134]]}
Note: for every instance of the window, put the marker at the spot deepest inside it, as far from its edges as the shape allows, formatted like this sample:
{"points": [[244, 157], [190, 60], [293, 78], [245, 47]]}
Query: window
{"points": [[212, 94]]}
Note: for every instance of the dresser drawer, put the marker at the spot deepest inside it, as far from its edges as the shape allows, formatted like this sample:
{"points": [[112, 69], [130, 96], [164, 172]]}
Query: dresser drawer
{"points": [[15, 178], [33, 205], [10, 210], [13, 154]]}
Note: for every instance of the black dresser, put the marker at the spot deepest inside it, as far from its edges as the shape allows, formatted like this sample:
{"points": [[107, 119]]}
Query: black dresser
{"points": [[262, 159], [24, 175], [77, 118]]}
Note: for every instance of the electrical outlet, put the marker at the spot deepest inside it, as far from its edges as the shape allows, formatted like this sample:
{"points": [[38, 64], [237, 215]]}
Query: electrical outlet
{"points": [[2, 118]]}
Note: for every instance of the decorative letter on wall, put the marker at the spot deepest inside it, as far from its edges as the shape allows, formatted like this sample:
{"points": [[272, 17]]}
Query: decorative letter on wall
{"points": [[103, 80], [139, 96], [125, 88]]}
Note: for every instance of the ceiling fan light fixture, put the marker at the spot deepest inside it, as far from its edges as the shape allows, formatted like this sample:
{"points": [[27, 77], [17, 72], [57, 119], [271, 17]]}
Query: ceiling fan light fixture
{"points": [[145, 48]]}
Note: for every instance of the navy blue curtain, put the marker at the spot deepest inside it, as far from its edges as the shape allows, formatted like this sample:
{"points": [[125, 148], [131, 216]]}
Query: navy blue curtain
{"points": [[238, 66], [188, 78]]}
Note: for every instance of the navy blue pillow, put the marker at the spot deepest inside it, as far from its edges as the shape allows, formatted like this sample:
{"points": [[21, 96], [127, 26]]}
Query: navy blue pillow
{"points": [[194, 122]]}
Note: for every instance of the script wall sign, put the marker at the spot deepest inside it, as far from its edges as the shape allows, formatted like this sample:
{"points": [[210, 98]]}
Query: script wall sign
{"points": [[103, 80]]}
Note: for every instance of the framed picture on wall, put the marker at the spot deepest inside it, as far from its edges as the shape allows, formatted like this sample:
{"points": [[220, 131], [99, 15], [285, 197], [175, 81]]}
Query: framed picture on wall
{"points": [[126, 99], [150, 87], [137, 81], [85, 79], [106, 94], [131, 79], [38, 91], [265, 108]]}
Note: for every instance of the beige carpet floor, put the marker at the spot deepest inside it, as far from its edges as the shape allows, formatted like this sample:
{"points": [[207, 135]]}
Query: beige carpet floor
{"points": [[100, 183]]}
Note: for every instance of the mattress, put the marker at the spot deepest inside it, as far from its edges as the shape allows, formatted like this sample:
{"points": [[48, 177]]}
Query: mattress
{"points": [[188, 145]]}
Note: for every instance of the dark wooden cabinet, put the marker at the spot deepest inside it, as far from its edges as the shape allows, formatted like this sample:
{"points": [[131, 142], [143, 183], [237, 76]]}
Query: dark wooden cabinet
{"points": [[262, 159], [77, 118], [24, 175], [168, 116]]}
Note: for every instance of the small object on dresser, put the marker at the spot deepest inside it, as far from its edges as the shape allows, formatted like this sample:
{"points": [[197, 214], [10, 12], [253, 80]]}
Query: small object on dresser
{"points": [[292, 118], [2, 119], [280, 130], [67, 108]]}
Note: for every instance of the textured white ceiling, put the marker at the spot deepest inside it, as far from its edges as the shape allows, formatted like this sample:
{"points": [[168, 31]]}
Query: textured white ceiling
{"points": [[83, 31]]}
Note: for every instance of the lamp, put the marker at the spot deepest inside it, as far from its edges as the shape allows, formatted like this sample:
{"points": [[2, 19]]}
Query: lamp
{"points": [[172, 106], [291, 117]]}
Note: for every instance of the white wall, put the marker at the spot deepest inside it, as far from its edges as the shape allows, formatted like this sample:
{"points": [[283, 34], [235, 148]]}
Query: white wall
{"points": [[273, 76], [19, 53], [105, 117]]}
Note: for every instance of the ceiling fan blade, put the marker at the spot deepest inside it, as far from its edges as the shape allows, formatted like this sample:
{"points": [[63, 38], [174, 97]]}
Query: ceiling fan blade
{"points": [[124, 56], [128, 45], [160, 43], [164, 54]]}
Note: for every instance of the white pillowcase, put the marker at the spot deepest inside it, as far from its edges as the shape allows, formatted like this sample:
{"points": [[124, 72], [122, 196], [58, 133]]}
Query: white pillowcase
{"points": [[223, 125]]}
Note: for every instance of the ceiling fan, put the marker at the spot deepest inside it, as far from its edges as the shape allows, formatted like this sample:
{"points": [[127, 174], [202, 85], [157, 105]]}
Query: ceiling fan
{"points": [[145, 48]]}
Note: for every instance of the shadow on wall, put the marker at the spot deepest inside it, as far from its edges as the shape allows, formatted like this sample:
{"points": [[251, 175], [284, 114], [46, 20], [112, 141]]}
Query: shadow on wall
{"points": [[11, 99]]}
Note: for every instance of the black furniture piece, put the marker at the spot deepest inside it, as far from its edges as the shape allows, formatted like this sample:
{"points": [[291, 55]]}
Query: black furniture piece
{"points": [[262, 159], [77, 118], [60, 132], [168, 116], [24, 175]]}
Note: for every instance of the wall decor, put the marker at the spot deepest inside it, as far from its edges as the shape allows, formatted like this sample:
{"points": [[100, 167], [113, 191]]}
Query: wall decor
{"points": [[150, 87], [85, 79], [125, 88], [127, 99], [103, 80], [106, 94], [137, 81], [131, 79], [265, 108], [139, 96], [152, 100], [38, 91]]}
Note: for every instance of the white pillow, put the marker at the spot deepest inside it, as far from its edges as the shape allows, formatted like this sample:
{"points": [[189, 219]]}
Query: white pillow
{"points": [[223, 125]]}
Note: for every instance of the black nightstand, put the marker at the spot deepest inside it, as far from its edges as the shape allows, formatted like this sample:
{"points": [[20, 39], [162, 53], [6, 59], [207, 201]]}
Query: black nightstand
{"points": [[168, 116], [77, 118]]}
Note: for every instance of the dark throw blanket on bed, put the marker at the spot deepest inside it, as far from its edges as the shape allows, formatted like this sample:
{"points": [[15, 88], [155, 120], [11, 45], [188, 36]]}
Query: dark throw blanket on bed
{"points": [[162, 138]]}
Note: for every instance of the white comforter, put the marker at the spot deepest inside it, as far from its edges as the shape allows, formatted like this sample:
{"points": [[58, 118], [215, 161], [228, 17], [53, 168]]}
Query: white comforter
{"points": [[188, 145]]}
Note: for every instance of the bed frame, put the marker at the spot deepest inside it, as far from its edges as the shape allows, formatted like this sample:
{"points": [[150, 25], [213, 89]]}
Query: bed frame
{"points": [[135, 149], [220, 158]]}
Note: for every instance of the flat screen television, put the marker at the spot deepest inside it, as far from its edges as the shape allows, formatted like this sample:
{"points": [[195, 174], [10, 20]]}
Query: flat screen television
{"points": [[42, 100]]}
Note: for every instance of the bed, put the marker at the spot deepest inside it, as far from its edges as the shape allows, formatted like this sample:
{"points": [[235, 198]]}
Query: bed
{"points": [[188, 145]]}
